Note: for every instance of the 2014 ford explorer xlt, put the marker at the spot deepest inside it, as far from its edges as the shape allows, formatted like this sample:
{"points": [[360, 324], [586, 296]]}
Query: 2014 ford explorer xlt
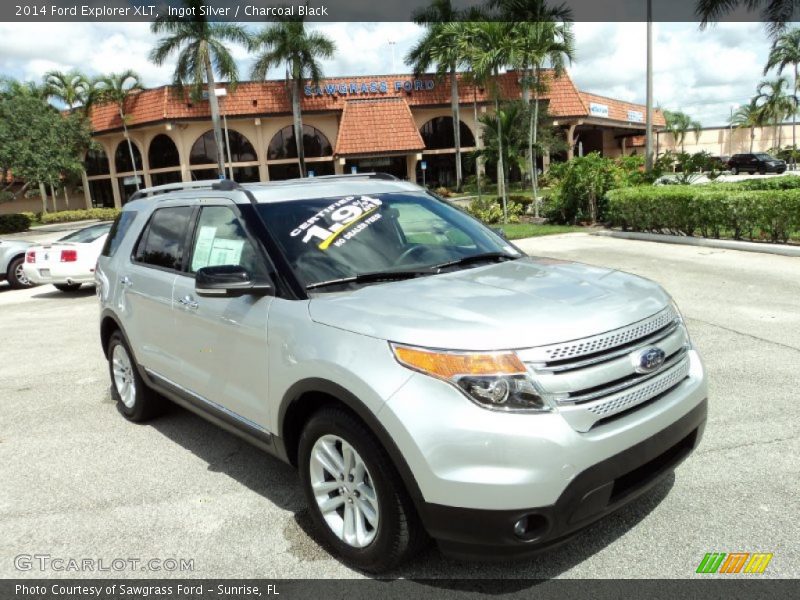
{"points": [[424, 375]]}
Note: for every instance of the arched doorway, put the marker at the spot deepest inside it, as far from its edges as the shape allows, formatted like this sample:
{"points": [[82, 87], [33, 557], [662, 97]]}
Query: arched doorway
{"points": [[282, 153], [98, 174], [440, 152], [126, 179], [243, 158]]}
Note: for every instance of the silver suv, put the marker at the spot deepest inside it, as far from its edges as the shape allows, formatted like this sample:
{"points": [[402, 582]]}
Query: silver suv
{"points": [[424, 375]]}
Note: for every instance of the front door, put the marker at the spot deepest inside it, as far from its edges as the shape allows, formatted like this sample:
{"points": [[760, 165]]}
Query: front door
{"points": [[224, 340]]}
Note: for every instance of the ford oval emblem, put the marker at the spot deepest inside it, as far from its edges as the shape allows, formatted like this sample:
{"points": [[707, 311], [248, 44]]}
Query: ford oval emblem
{"points": [[648, 359]]}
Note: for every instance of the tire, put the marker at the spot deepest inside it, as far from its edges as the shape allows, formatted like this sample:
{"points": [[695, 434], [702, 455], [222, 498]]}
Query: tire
{"points": [[752, 172], [16, 276], [135, 400], [734, 171], [67, 287], [395, 532]]}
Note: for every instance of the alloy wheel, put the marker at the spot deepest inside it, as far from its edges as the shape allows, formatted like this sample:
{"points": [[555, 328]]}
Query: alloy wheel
{"points": [[124, 379]]}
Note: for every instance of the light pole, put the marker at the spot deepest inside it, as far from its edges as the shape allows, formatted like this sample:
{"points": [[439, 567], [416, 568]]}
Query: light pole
{"points": [[219, 93], [392, 44], [730, 132]]}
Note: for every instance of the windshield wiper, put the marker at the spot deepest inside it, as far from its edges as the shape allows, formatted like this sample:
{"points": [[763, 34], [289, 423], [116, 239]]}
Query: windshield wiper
{"points": [[369, 278], [466, 260]]}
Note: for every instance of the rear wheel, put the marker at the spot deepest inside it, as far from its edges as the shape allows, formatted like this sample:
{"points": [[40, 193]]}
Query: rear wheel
{"points": [[135, 400], [734, 171], [16, 274], [356, 498], [67, 287]]}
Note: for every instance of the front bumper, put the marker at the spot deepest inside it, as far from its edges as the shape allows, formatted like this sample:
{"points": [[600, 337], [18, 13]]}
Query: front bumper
{"points": [[592, 494]]}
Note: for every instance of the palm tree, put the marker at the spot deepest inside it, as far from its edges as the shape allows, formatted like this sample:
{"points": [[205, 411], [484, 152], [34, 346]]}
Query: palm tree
{"points": [[749, 115], [785, 52], [773, 12], [72, 88], [776, 103], [492, 49], [439, 46], [546, 38], [288, 42], [679, 124], [202, 50], [116, 88]]}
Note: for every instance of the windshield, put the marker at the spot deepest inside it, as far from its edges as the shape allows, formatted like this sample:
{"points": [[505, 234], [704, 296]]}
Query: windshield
{"points": [[87, 235], [335, 238], [763, 156]]}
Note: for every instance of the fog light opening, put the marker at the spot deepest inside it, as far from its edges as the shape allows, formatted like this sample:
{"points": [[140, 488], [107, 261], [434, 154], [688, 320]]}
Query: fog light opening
{"points": [[530, 527]]}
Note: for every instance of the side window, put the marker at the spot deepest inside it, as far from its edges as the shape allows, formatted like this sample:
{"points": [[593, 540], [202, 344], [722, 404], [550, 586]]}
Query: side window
{"points": [[118, 231], [162, 243], [421, 226], [220, 239]]}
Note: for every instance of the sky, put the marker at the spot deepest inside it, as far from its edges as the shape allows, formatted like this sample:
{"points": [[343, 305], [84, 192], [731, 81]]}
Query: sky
{"points": [[703, 73]]}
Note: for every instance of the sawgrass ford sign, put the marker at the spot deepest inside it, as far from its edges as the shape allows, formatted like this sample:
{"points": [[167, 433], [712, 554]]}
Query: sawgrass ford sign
{"points": [[354, 88]]}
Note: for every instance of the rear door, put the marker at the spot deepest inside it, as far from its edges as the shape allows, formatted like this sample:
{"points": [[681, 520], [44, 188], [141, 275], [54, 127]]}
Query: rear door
{"points": [[146, 294], [224, 340]]}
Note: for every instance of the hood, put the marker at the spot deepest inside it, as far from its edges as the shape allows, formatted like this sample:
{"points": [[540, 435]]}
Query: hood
{"points": [[516, 304]]}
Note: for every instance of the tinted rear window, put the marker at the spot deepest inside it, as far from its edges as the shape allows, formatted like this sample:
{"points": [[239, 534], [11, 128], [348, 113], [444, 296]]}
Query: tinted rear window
{"points": [[162, 243], [86, 235], [117, 233]]}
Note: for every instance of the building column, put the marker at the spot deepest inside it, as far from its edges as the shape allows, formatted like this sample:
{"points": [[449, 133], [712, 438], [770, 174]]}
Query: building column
{"points": [[411, 167], [112, 168], [146, 180], [338, 165], [571, 141], [623, 146], [261, 151]]}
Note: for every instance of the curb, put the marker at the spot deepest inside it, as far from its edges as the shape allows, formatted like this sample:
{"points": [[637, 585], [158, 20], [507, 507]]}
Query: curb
{"points": [[763, 248]]}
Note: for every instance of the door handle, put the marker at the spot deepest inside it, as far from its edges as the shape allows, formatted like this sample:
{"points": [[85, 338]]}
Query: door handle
{"points": [[126, 282], [188, 302]]}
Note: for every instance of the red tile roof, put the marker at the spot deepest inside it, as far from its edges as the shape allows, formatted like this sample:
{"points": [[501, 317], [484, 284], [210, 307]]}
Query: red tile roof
{"points": [[272, 97], [618, 110], [374, 126]]}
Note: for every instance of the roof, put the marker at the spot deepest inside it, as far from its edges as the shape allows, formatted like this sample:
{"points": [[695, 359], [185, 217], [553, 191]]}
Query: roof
{"points": [[377, 126], [260, 98], [618, 110]]}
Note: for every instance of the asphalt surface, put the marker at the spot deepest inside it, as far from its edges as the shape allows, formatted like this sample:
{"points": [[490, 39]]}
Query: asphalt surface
{"points": [[78, 481]]}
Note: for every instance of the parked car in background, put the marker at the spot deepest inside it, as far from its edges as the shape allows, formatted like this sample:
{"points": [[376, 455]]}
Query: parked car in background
{"points": [[69, 262], [12, 257], [755, 162]]}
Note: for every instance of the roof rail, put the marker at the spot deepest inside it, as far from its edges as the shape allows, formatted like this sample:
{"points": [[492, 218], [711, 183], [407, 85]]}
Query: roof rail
{"points": [[214, 184], [371, 175]]}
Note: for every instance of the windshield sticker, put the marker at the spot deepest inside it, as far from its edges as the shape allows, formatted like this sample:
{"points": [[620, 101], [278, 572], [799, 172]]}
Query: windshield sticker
{"points": [[339, 222]]}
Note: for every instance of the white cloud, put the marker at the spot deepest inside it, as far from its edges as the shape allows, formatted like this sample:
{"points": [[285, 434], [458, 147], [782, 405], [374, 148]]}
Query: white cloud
{"points": [[700, 72]]}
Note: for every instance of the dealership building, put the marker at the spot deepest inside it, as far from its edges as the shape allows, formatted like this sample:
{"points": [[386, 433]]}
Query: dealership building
{"points": [[398, 124]]}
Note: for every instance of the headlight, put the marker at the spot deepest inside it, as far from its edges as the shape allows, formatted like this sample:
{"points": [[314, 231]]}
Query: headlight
{"points": [[683, 323], [494, 380]]}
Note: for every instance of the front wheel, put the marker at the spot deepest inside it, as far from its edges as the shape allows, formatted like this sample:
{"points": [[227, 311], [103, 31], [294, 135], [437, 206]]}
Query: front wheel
{"points": [[16, 274], [734, 171], [135, 400], [356, 498], [67, 287]]}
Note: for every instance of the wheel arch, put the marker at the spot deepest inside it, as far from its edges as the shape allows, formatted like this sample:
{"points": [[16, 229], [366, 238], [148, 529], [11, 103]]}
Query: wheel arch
{"points": [[307, 396]]}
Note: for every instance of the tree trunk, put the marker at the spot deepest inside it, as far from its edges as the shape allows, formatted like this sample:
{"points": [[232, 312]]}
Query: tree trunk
{"points": [[66, 196], [213, 103], [130, 147], [500, 162], [533, 132], [298, 123], [475, 116], [794, 116], [43, 194], [53, 194], [456, 125]]}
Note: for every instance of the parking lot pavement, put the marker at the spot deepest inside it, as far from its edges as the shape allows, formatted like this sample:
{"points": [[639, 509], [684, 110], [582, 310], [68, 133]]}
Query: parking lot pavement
{"points": [[79, 481]]}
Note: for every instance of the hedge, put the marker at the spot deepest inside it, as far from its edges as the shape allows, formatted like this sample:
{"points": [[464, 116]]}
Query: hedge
{"points": [[707, 210], [66, 216], [14, 223]]}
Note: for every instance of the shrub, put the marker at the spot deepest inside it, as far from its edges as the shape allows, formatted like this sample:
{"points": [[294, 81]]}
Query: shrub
{"points": [[582, 184], [490, 210], [709, 210], [66, 216], [34, 217], [14, 223], [443, 192]]}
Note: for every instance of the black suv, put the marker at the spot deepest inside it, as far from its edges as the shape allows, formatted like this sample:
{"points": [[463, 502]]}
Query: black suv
{"points": [[759, 161]]}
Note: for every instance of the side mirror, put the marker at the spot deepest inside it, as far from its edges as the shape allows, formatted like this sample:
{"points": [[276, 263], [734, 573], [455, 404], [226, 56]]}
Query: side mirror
{"points": [[499, 231], [228, 281]]}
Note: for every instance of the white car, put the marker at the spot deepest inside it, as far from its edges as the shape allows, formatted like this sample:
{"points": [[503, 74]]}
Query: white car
{"points": [[68, 262]]}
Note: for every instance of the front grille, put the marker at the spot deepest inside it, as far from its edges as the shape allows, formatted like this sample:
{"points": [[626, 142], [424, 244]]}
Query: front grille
{"points": [[595, 379]]}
